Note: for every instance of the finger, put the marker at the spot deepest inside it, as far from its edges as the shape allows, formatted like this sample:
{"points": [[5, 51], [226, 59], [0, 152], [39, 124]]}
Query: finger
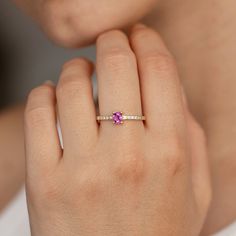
{"points": [[118, 80], [200, 168], [42, 143], [76, 107], [199, 159], [161, 94]]}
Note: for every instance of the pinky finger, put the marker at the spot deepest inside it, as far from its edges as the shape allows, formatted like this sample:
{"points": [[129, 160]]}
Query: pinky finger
{"points": [[43, 148]]}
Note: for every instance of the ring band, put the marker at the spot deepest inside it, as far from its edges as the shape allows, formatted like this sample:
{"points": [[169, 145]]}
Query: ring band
{"points": [[118, 118]]}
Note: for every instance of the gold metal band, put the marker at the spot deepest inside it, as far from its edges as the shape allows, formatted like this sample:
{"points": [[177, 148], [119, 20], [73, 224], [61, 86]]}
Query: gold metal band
{"points": [[124, 117]]}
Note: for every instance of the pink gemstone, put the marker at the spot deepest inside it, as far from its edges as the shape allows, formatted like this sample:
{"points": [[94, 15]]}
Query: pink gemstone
{"points": [[117, 118]]}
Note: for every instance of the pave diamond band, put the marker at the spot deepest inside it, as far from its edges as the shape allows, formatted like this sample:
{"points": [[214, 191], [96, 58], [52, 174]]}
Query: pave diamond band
{"points": [[118, 118], [104, 118]]}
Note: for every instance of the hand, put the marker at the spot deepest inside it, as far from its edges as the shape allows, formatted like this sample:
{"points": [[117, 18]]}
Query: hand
{"points": [[143, 179]]}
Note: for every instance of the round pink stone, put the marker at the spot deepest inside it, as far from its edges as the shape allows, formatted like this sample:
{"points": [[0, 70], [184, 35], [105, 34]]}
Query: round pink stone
{"points": [[117, 117]]}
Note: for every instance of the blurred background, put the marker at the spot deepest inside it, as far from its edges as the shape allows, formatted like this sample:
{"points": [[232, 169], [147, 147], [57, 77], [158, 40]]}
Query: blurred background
{"points": [[27, 57]]}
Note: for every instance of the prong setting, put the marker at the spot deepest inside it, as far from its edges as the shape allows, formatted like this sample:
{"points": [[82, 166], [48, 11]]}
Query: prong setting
{"points": [[118, 118]]}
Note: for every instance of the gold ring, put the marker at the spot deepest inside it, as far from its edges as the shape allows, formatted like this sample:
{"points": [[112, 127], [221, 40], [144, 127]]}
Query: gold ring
{"points": [[118, 118]]}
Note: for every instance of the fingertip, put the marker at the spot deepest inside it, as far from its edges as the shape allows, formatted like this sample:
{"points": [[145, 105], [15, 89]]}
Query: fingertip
{"points": [[78, 62], [41, 138], [74, 94], [143, 36], [139, 26], [49, 82], [40, 95]]}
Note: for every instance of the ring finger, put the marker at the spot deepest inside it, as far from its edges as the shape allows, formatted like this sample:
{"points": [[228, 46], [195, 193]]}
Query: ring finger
{"points": [[118, 80]]}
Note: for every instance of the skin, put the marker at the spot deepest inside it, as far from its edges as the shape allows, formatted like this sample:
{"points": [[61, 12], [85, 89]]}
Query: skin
{"points": [[198, 45], [206, 64], [105, 178], [12, 154], [71, 24]]}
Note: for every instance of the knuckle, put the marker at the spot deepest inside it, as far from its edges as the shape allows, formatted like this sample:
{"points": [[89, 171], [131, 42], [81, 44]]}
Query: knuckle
{"points": [[36, 113], [131, 167], [117, 59], [36, 116], [48, 190], [91, 186], [173, 159], [173, 163], [159, 62], [69, 87]]}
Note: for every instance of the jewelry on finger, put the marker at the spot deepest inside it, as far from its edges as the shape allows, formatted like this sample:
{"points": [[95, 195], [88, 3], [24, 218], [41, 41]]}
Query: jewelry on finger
{"points": [[118, 118]]}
